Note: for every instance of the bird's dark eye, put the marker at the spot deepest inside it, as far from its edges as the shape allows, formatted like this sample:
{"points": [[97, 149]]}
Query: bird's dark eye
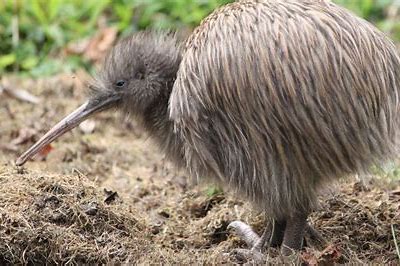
{"points": [[120, 83]]}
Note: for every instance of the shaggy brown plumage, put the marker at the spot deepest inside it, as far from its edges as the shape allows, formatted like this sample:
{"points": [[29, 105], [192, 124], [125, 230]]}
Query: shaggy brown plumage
{"points": [[277, 97], [273, 98]]}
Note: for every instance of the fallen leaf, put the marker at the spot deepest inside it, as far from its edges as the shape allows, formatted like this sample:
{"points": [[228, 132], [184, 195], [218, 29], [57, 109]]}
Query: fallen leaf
{"points": [[42, 154], [309, 258], [45, 151], [94, 49], [330, 254], [100, 43]]}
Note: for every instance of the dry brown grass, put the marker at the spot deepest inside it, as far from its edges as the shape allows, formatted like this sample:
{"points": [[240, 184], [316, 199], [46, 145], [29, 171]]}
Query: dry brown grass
{"points": [[64, 219]]}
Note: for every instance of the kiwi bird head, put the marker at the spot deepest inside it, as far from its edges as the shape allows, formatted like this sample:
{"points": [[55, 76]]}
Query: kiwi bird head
{"points": [[137, 76]]}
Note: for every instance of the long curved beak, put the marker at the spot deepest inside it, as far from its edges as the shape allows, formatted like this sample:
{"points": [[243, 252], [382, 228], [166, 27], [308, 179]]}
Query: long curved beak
{"points": [[69, 122]]}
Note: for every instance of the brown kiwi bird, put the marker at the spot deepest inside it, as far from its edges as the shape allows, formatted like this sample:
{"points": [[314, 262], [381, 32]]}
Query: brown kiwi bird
{"points": [[271, 98]]}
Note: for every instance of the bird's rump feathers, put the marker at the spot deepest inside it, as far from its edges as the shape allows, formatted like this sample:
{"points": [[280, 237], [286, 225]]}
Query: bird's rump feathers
{"points": [[276, 97]]}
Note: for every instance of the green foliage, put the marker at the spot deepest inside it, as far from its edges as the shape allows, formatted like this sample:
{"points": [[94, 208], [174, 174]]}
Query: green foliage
{"points": [[174, 13], [33, 32], [213, 191], [390, 170], [370, 9]]}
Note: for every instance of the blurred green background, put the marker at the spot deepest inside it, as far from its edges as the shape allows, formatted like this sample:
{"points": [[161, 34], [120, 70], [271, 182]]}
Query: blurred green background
{"points": [[34, 34]]}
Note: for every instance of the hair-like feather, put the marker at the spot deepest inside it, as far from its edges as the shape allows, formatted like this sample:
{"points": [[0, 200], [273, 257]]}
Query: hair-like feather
{"points": [[277, 97]]}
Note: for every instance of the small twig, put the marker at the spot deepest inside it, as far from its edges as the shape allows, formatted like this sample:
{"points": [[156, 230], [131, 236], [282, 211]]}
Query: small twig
{"points": [[395, 242], [19, 94], [8, 109]]}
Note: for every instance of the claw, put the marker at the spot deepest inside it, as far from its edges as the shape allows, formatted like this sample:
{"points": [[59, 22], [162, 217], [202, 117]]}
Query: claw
{"points": [[245, 232], [247, 256]]}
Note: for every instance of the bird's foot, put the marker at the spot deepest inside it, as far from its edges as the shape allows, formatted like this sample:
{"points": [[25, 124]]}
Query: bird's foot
{"points": [[289, 235], [254, 242]]}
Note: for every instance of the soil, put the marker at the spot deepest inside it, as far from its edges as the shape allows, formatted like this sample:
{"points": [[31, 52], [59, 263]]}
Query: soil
{"points": [[103, 193]]}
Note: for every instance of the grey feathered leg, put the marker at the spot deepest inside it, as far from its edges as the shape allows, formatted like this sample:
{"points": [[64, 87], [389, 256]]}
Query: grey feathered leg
{"points": [[272, 236], [294, 234], [278, 231]]}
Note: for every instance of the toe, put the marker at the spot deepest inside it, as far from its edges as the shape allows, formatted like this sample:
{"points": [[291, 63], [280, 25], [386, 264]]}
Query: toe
{"points": [[247, 256], [244, 232]]}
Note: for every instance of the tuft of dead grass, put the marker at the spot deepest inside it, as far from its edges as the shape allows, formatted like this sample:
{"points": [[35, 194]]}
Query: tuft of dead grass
{"points": [[358, 222], [52, 219]]}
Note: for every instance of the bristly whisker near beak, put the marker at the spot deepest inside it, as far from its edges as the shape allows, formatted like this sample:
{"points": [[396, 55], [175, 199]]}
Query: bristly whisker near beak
{"points": [[69, 122]]}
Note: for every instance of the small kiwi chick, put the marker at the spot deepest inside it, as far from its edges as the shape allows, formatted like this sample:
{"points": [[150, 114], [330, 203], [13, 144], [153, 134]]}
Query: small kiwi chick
{"points": [[271, 98]]}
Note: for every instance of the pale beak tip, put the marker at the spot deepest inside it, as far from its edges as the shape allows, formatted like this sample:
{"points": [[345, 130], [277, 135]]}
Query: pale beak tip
{"points": [[20, 161]]}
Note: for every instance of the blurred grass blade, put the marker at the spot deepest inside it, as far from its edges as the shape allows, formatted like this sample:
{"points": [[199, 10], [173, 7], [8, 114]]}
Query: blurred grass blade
{"points": [[54, 8], [38, 12]]}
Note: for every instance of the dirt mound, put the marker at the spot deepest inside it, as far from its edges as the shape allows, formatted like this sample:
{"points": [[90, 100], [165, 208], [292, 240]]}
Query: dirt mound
{"points": [[361, 223], [60, 219]]}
